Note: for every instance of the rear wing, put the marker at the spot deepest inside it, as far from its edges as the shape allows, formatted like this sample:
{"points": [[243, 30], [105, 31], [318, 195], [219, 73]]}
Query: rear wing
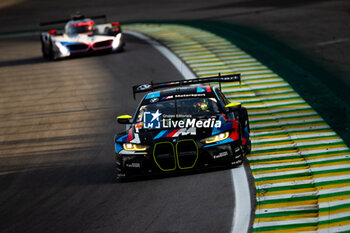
{"points": [[74, 17], [220, 79]]}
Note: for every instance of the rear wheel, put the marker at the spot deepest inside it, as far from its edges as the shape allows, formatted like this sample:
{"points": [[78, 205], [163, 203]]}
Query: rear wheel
{"points": [[120, 49]]}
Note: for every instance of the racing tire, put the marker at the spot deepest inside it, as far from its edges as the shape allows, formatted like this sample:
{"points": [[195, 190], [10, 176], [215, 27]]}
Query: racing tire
{"points": [[46, 54], [121, 49], [120, 175], [248, 147], [233, 164], [118, 178], [50, 54], [53, 56]]}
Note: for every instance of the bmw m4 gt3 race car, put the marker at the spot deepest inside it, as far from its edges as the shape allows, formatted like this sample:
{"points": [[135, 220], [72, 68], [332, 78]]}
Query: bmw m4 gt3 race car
{"points": [[182, 128], [81, 35]]}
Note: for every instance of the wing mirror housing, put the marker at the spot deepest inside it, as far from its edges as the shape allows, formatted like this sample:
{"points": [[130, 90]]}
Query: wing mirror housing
{"points": [[232, 107], [124, 119]]}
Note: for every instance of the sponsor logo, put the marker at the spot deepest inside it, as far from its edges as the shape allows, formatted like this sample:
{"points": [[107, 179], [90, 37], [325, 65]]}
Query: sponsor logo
{"points": [[184, 132], [237, 162], [154, 120], [173, 133], [190, 95], [193, 123], [153, 100], [135, 165], [220, 155], [168, 97], [143, 87]]}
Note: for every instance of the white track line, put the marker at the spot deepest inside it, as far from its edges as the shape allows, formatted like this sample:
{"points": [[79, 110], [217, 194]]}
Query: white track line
{"points": [[241, 214], [242, 211], [175, 60]]}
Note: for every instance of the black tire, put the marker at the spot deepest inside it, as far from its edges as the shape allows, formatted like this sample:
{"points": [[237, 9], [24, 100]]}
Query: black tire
{"points": [[120, 49], [233, 162], [52, 54], [248, 147], [119, 178], [46, 54], [120, 174]]}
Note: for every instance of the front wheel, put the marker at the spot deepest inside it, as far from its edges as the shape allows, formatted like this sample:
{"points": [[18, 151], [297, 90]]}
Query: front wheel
{"points": [[46, 53], [120, 176], [238, 157], [120, 48]]}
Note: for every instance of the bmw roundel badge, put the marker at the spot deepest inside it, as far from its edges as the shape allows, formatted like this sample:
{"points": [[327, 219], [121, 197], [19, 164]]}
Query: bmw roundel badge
{"points": [[153, 100]]}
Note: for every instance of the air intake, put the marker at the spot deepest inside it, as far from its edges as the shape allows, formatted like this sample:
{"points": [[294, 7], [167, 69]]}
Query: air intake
{"points": [[164, 156], [187, 153]]}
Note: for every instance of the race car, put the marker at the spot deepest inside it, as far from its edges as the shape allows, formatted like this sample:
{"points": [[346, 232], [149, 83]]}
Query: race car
{"points": [[181, 128], [80, 36]]}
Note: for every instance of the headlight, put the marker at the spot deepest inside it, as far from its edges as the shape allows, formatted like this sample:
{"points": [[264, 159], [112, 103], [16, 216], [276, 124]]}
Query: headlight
{"points": [[134, 147], [63, 49], [216, 138], [116, 41]]}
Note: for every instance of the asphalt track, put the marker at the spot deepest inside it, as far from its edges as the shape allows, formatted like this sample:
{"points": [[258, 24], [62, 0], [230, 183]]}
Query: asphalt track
{"points": [[57, 165], [57, 124]]}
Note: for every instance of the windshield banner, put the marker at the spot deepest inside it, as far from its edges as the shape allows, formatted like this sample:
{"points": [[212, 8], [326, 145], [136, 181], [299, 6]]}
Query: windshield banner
{"points": [[154, 120]]}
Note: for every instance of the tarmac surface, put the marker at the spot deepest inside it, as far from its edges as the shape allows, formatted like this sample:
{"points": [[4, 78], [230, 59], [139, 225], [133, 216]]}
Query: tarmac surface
{"points": [[57, 118], [57, 156], [318, 28]]}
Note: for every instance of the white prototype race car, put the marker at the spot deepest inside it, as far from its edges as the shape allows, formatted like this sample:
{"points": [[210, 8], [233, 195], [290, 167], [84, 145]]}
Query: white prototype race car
{"points": [[81, 36]]}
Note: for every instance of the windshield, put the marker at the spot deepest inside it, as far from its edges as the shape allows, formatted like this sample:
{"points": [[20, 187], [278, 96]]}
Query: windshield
{"points": [[193, 107], [81, 27]]}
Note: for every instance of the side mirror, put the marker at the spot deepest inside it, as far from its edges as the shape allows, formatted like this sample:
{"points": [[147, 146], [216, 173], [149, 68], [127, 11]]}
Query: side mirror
{"points": [[231, 107], [124, 119]]}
